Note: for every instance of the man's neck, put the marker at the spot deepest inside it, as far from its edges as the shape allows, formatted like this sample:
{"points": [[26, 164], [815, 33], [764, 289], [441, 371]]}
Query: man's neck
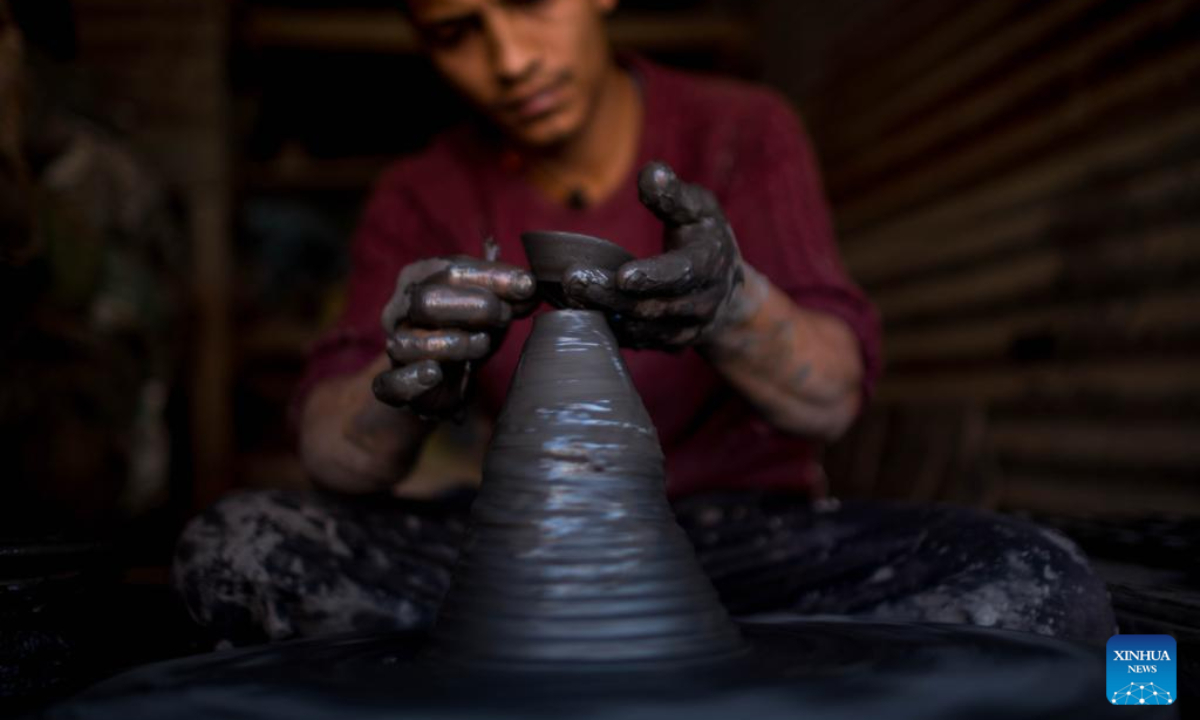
{"points": [[599, 157]]}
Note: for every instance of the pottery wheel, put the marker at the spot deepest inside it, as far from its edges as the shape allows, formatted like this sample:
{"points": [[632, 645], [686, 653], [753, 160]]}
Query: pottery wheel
{"points": [[812, 669], [577, 595]]}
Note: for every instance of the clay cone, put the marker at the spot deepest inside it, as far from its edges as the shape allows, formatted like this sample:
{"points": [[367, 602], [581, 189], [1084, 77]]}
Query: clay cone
{"points": [[574, 559]]}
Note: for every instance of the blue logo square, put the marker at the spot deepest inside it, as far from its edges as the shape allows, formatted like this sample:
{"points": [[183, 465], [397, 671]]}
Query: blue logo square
{"points": [[1140, 670]]}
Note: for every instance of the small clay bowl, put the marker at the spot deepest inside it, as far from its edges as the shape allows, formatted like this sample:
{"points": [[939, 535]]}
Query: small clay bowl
{"points": [[551, 254]]}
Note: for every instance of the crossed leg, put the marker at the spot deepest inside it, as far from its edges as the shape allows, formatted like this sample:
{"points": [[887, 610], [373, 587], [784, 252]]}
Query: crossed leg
{"points": [[272, 565]]}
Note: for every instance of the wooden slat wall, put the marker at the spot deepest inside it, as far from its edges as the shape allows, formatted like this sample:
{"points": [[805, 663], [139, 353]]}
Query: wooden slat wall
{"points": [[160, 65], [1017, 184]]}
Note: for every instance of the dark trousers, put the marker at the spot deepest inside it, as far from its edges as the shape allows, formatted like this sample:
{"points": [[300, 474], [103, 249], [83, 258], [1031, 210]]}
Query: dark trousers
{"points": [[272, 565]]}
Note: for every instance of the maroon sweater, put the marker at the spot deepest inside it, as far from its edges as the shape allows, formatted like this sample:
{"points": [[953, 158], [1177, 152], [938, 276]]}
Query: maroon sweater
{"points": [[741, 142]]}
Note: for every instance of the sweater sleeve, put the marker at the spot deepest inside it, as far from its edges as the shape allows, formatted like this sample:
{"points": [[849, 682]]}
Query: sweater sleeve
{"points": [[776, 205]]}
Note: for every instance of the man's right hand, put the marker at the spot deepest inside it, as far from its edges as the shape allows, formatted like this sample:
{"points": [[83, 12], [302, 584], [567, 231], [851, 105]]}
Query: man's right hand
{"points": [[445, 314]]}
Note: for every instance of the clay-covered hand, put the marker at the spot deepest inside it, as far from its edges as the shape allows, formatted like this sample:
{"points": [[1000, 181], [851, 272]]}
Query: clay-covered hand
{"points": [[446, 315], [685, 295]]}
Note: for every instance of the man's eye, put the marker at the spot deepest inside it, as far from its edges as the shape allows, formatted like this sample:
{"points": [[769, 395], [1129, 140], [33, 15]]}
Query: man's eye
{"points": [[448, 35]]}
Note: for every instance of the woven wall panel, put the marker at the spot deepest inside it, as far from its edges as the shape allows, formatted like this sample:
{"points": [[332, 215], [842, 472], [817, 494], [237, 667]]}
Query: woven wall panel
{"points": [[1017, 184]]}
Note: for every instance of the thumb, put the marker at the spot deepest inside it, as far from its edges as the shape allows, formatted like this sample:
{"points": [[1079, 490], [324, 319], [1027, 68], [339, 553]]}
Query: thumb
{"points": [[674, 202]]}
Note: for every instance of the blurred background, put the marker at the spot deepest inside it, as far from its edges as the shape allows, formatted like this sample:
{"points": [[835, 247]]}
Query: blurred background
{"points": [[1016, 183]]}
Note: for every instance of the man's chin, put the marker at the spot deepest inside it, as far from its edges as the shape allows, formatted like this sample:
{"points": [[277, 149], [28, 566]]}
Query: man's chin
{"points": [[544, 133]]}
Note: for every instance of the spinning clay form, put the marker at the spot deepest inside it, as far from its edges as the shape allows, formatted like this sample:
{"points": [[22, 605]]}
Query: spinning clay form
{"points": [[573, 554]]}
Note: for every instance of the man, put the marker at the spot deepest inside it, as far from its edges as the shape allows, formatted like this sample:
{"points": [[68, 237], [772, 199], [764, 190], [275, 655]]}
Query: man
{"points": [[750, 342]]}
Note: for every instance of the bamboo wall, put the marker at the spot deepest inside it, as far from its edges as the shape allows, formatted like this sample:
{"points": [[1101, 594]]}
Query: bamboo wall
{"points": [[1017, 185]]}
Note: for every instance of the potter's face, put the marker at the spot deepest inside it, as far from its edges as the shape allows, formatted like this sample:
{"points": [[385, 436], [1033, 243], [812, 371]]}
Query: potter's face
{"points": [[534, 67]]}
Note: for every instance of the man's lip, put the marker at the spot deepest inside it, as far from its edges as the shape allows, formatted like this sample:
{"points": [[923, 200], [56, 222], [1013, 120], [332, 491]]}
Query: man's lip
{"points": [[538, 102]]}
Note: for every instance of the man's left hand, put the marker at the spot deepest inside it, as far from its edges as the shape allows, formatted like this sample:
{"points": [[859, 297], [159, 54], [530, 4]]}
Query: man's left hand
{"points": [[683, 296]]}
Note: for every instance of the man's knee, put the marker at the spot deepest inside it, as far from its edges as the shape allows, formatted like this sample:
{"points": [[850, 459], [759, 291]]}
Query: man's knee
{"points": [[219, 555], [1035, 579], [231, 522], [996, 571]]}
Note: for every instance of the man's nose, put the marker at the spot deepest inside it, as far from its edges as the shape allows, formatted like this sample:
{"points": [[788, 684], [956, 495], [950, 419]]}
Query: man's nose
{"points": [[514, 57]]}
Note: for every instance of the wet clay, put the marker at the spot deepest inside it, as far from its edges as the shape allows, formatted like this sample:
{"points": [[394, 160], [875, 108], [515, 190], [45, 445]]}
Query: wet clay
{"points": [[552, 254], [573, 556]]}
